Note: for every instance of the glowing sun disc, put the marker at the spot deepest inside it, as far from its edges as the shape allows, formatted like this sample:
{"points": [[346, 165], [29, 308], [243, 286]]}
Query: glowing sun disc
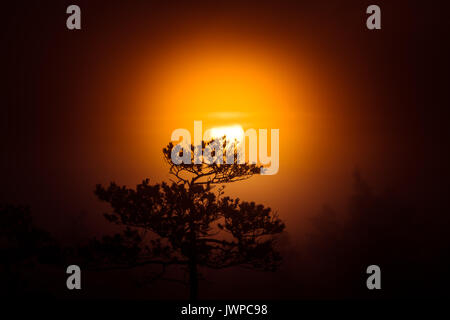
{"points": [[231, 132]]}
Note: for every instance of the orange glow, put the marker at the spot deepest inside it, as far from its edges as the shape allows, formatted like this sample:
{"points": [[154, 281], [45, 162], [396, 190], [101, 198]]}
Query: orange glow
{"points": [[230, 83], [235, 82], [222, 86]]}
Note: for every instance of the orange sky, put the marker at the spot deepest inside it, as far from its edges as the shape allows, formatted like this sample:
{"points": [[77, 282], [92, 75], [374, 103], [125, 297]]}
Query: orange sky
{"points": [[228, 79], [109, 99]]}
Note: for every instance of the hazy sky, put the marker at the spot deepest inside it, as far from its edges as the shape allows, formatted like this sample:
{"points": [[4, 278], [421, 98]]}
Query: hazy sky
{"points": [[99, 104]]}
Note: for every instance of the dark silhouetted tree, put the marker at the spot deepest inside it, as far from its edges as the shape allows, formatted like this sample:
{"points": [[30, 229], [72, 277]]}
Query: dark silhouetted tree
{"points": [[23, 246], [189, 222]]}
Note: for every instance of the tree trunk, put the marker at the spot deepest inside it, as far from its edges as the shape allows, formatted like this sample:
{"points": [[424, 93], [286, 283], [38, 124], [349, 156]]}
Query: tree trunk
{"points": [[193, 272]]}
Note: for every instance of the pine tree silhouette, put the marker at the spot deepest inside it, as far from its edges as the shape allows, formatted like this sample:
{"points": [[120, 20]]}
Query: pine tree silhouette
{"points": [[189, 222]]}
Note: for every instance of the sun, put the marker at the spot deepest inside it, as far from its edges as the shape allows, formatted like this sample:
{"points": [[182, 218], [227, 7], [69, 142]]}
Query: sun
{"points": [[232, 133]]}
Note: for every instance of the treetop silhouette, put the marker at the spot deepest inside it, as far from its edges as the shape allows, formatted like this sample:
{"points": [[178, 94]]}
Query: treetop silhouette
{"points": [[226, 166], [189, 223]]}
